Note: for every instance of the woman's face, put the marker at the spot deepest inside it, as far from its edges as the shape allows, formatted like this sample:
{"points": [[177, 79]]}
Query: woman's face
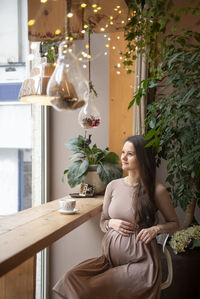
{"points": [[128, 157]]}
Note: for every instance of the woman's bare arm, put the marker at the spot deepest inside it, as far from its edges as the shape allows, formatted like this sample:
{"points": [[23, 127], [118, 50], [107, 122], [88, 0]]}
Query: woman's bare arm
{"points": [[164, 205]]}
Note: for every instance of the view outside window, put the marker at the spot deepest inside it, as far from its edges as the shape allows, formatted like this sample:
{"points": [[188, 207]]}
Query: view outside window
{"points": [[21, 125], [15, 158], [15, 117]]}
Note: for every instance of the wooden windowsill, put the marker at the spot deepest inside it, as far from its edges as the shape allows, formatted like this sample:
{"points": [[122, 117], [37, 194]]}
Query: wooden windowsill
{"points": [[24, 234]]}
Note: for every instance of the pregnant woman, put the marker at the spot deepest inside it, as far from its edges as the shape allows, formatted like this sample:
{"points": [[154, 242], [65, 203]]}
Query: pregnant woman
{"points": [[129, 267]]}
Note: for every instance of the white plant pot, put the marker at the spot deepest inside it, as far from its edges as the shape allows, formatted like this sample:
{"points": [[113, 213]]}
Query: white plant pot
{"points": [[92, 178]]}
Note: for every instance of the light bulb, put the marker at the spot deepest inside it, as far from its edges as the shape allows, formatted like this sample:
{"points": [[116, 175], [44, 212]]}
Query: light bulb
{"points": [[67, 84]]}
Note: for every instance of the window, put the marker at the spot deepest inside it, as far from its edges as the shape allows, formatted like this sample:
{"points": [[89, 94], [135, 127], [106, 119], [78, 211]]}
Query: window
{"points": [[22, 126]]}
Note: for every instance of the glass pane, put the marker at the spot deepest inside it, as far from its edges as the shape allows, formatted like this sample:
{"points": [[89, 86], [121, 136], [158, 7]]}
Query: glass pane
{"points": [[15, 158], [21, 125]]}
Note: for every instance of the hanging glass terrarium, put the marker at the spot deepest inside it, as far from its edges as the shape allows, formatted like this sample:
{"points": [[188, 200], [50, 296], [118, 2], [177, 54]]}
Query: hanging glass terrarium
{"points": [[67, 84], [89, 116]]}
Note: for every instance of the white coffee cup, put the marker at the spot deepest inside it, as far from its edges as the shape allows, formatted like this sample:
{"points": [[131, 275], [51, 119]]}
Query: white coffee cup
{"points": [[67, 204]]}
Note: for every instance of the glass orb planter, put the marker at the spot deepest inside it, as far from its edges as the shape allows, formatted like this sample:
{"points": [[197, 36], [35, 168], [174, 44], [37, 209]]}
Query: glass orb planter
{"points": [[89, 116], [67, 84]]}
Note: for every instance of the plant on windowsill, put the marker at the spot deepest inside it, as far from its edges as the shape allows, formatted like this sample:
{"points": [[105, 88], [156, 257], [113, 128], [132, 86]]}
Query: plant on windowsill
{"points": [[86, 158]]}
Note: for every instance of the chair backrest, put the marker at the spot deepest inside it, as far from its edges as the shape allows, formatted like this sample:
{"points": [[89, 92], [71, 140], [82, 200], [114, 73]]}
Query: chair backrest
{"points": [[168, 281]]}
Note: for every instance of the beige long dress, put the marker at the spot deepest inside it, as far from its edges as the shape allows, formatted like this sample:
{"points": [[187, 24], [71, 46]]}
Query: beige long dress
{"points": [[126, 270]]}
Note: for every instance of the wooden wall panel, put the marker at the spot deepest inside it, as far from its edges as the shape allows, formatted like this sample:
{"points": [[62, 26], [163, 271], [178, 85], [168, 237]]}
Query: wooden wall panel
{"points": [[121, 93], [19, 282]]}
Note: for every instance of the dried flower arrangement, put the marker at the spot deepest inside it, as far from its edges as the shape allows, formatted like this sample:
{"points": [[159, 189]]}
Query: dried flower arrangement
{"points": [[185, 239]]}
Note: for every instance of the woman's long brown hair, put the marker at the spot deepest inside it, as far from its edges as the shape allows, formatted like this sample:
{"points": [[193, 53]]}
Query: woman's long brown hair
{"points": [[146, 190]]}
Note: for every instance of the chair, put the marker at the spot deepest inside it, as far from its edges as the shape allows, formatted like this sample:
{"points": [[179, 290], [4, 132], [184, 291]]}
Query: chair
{"points": [[168, 281]]}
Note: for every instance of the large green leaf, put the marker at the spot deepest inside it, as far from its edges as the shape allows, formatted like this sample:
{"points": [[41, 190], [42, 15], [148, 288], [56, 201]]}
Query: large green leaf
{"points": [[109, 172], [76, 172], [74, 181], [77, 155], [75, 144], [112, 158]]}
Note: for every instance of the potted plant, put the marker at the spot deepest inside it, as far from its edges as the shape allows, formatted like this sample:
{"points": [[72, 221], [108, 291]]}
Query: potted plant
{"points": [[91, 158]]}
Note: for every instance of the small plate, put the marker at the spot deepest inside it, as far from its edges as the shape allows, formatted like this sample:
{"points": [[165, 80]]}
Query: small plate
{"points": [[68, 212], [76, 195]]}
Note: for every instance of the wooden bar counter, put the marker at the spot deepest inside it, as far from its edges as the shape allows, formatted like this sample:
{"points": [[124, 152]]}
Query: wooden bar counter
{"points": [[24, 234]]}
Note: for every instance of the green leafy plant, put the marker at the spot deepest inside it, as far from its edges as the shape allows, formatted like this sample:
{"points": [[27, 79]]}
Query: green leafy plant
{"points": [[86, 155], [174, 122], [49, 50], [173, 111]]}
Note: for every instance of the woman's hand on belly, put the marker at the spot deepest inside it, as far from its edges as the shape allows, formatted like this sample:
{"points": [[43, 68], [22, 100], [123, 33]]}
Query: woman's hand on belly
{"points": [[123, 227]]}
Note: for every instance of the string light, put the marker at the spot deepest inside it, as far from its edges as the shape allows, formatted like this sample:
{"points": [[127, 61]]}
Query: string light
{"points": [[102, 29], [118, 65], [111, 23], [85, 26], [99, 8], [84, 54], [31, 22], [83, 31], [111, 17], [119, 11], [107, 46], [118, 6], [118, 72], [94, 5], [95, 10], [58, 31], [70, 15], [113, 47], [83, 5], [123, 22], [84, 66], [87, 46], [105, 53], [43, 1], [109, 38], [118, 37], [106, 25], [80, 59], [105, 35]]}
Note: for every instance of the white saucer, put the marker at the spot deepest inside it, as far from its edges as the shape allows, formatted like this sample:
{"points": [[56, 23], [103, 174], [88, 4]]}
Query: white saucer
{"points": [[74, 211]]}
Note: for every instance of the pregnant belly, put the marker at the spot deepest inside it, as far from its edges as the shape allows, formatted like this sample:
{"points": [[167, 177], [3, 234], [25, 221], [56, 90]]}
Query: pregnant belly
{"points": [[120, 250]]}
